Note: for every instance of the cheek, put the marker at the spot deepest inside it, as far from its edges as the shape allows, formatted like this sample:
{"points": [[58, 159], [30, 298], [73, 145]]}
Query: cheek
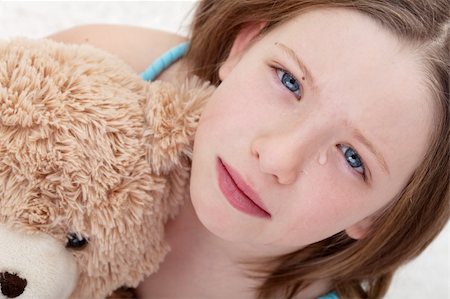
{"points": [[242, 104], [224, 115], [323, 204]]}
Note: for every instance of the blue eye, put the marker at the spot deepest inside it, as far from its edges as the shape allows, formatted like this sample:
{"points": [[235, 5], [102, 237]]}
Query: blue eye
{"points": [[353, 159], [290, 82]]}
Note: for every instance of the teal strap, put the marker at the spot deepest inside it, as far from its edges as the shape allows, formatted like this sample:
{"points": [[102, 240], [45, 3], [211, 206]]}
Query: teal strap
{"points": [[331, 295], [164, 61]]}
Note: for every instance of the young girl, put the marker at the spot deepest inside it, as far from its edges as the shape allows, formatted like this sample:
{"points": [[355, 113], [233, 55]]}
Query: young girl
{"points": [[321, 161]]}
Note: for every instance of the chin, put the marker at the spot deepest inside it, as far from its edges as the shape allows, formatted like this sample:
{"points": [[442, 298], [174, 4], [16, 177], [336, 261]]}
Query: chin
{"points": [[207, 208], [215, 216]]}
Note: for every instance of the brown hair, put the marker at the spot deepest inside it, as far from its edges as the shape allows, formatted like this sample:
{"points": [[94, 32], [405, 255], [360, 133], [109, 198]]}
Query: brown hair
{"points": [[363, 268]]}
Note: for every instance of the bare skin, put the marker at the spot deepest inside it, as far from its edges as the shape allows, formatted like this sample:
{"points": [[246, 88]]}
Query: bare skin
{"points": [[138, 47]]}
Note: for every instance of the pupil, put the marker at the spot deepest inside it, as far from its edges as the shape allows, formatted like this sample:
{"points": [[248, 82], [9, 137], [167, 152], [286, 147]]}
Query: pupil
{"points": [[353, 158], [290, 82]]}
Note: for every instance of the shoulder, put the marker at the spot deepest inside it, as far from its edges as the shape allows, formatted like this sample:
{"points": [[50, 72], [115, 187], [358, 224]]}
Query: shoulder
{"points": [[137, 46]]}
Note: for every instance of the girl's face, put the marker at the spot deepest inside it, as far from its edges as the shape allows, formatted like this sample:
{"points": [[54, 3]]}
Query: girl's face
{"points": [[325, 118]]}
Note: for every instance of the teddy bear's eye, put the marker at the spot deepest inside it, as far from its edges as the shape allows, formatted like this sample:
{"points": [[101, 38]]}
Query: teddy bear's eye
{"points": [[75, 241]]}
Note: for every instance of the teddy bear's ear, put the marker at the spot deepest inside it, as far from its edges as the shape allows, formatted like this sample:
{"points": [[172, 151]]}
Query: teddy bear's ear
{"points": [[172, 114]]}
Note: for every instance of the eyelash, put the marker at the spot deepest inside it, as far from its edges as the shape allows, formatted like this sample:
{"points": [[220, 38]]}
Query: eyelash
{"points": [[280, 73]]}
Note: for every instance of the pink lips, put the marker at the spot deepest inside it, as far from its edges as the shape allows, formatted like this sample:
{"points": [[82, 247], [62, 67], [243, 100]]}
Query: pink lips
{"points": [[240, 195]]}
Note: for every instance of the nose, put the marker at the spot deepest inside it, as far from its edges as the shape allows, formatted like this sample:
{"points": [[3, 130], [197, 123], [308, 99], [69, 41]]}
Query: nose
{"points": [[12, 285], [281, 155]]}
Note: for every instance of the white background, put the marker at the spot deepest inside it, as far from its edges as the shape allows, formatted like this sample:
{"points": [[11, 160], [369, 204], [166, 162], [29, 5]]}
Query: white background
{"points": [[427, 277]]}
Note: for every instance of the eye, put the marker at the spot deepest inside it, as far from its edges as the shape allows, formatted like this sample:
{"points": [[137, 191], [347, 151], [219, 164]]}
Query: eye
{"points": [[353, 159], [75, 241], [290, 82]]}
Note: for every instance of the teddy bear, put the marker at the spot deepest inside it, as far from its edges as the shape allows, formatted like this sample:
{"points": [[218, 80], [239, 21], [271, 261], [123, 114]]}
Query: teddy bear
{"points": [[93, 162]]}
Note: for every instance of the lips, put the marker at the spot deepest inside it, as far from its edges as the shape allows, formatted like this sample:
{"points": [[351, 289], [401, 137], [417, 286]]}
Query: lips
{"points": [[238, 192]]}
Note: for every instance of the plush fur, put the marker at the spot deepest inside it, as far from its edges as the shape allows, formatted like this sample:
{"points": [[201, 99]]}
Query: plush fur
{"points": [[87, 150]]}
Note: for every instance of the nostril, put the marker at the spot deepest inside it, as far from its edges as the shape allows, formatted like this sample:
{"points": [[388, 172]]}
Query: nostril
{"points": [[12, 285]]}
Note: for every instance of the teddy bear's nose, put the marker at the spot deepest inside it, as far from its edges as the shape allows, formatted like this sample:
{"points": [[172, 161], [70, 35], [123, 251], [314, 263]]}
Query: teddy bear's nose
{"points": [[12, 285]]}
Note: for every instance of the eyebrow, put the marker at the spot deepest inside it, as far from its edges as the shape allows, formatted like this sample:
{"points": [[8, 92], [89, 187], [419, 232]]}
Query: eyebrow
{"points": [[379, 157], [291, 54]]}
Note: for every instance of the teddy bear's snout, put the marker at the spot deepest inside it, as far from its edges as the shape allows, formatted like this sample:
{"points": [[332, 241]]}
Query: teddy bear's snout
{"points": [[12, 285]]}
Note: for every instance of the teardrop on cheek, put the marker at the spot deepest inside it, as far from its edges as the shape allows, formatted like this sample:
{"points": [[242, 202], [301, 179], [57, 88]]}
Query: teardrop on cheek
{"points": [[323, 158]]}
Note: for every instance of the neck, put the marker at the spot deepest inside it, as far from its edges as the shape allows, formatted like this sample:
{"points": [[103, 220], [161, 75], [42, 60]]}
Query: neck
{"points": [[200, 264]]}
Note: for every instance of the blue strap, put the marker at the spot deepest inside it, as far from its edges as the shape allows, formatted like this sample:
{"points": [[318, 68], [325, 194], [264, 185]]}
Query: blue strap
{"points": [[164, 61], [331, 295]]}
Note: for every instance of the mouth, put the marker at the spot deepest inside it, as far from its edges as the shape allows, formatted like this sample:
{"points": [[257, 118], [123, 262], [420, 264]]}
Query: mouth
{"points": [[238, 193]]}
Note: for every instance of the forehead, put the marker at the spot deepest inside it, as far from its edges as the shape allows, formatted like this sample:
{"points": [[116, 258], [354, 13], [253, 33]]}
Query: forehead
{"points": [[365, 76]]}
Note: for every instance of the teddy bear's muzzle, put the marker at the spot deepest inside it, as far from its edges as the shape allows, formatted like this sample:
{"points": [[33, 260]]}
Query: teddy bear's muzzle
{"points": [[12, 285], [35, 265]]}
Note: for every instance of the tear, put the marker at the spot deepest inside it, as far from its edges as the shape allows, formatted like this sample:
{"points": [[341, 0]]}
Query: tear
{"points": [[323, 158]]}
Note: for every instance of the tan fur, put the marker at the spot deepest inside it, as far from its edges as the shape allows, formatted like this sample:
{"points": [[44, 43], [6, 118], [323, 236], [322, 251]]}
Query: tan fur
{"points": [[87, 147]]}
